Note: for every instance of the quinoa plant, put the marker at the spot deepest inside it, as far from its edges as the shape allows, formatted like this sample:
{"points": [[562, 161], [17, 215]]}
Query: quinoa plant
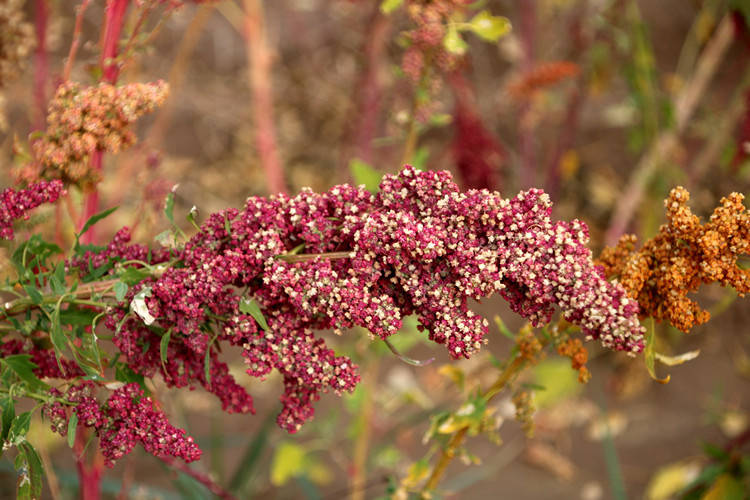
{"points": [[87, 329]]}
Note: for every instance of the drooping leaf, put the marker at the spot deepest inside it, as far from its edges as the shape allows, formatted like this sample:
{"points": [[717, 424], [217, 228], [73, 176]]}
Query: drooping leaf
{"points": [[8, 409], [649, 353], [19, 428], [726, 487], [677, 360], [34, 294], [251, 307], [22, 365]]}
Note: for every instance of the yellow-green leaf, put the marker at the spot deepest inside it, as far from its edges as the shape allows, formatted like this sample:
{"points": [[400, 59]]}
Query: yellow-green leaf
{"points": [[726, 487], [671, 479], [388, 6], [489, 27], [288, 462], [453, 42], [559, 380], [649, 353]]}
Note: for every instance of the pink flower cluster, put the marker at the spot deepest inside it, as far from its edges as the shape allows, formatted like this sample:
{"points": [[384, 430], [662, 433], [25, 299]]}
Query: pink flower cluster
{"points": [[419, 246], [15, 204], [127, 418], [46, 363]]}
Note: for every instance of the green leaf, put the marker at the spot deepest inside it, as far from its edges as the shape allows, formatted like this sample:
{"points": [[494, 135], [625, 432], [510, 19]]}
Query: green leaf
{"points": [[649, 353], [251, 307], [19, 428], [93, 220], [34, 294], [366, 174], [164, 344], [489, 27], [125, 374], [72, 428], [169, 207], [207, 366], [8, 409], [288, 462], [559, 380], [132, 276], [35, 469], [453, 42], [121, 289], [388, 6], [57, 279], [77, 316], [22, 365], [56, 334], [726, 487]]}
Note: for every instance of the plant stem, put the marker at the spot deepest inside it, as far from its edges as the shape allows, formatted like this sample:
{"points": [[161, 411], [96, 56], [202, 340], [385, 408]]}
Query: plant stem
{"points": [[259, 60], [202, 478], [450, 450], [362, 443]]}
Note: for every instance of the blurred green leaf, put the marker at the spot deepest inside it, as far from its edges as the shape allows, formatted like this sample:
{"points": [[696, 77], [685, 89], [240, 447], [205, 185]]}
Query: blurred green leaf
{"points": [[366, 174], [559, 380], [121, 289], [726, 487], [388, 6], [287, 462], [453, 42], [489, 27], [72, 428]]}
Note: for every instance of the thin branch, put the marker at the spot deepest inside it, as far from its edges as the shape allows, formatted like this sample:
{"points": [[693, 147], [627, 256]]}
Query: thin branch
{"points": [[684, 105], [80, 10]]}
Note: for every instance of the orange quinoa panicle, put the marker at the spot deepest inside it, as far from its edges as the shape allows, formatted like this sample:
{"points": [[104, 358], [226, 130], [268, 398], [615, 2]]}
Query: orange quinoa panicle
{"points": [[684, 254]]}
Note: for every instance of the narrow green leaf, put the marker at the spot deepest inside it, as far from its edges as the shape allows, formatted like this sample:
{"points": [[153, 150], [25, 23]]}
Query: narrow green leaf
{"points": [[72, 428], [163, 348], [93, 220], [8, 408], [244, 472], [23, 483], [120, 290], [207, 366], [453, 42], [489, 27], [251, 307], [649, 353], [169, 207], [388, 6], [59, 341], [22, 365]]}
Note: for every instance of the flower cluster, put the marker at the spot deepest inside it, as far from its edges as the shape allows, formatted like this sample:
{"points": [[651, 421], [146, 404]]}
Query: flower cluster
{"points": [[542, 75], [682, 256], [128, 417], [419, 246], [573, 349], [15, 204], [81, 121], [47, 365]]}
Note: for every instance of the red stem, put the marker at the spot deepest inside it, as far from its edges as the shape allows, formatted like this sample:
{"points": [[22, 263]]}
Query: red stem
{"points": [[369, 89], [259, 63], [114, 19], [41, 63], [202, 478], [89, 475], [526, 127]]}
